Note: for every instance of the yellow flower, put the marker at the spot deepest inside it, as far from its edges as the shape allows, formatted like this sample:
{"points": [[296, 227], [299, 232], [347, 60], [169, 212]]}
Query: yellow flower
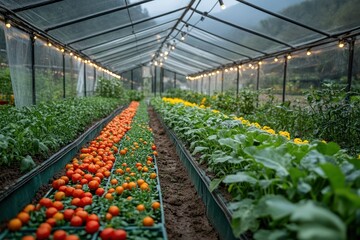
{"points": [[271, 131], [323, 141], [255, 124], [215, 111], [285, 134], [359, 156], [299, 141]]}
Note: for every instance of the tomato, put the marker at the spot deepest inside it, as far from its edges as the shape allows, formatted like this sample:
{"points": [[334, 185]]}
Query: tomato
{"points": [[76, 177], [46, 202], [59, 235], [43, 233], [100, 191], [119, 235], [50, 212], [68, 214], [92, 226], [76, 221], [86, 201], [153, 147], [107, 233], [72, 237], [92, 217], [93, 185]]}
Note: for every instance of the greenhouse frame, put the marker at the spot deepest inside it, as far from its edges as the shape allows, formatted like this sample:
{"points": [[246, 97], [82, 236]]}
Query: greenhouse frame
{"points": [[258, 101]]}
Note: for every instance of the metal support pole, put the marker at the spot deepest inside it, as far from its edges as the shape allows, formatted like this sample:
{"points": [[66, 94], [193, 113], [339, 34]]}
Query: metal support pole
{"points": [[64, 79], [155, 81], [132, 79], [209, 85], [258, 84], [33, 70], [174, 79], [95, 78], [222, 81], [237, 82], [161, 81], [202, 84], [84, 80], [284, 81], [350, 67]]}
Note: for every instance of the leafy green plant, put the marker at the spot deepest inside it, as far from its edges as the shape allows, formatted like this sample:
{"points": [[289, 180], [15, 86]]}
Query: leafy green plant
{"points": [[280, 189], [40, 130]]}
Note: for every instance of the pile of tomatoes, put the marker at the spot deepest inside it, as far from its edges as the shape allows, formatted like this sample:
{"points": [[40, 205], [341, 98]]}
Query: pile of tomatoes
{"points": [[103, 191]]}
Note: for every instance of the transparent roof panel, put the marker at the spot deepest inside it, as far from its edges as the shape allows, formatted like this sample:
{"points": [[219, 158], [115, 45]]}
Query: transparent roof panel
{"points": [[219, 50], [13, 4], [66, 10], [158, 20], [181, 58], [129, 53], [121, 58], [219, 40], [236, 35], [331, 16], [183, 67], [127, 47], [102, 38], [133, 40], [202, 53], [91, 26]]}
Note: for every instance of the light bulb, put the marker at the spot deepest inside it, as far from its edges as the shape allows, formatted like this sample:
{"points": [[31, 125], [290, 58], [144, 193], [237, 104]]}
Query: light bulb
{"points": [[166, 53], [161, 54], [231, 69], [276, 59], [172, 47], [182, 38], [341, 44], [217, 71], [165, 57], [260, 62], [8, 25], [155, 63], [308, 52], [49, 44], [71, 54], [62, 50], [289, 56], [226, 70]]}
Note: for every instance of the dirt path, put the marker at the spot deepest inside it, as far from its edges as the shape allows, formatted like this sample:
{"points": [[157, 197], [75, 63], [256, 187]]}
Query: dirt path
{"points": [[185, 216]]}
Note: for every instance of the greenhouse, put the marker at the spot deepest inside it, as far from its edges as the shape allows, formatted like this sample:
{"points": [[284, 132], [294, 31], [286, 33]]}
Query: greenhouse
{"points": [[198, 119]]}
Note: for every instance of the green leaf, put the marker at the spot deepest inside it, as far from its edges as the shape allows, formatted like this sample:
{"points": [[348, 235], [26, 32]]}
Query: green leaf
{"points": [[319, 232], [346, 193], [239, 177], [278, 206], [27, 163], [215, 183], [330, 148], [334, 174], [245, 218], [270, 159], [212, 137], [309, 213], [271, 235], [199, 149]]}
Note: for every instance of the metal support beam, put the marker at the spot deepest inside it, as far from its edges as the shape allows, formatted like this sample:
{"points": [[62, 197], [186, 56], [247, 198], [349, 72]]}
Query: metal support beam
{"points": [[284, 18], [98, 44], [122, 27], [350, 67], [155, 81], [209, 85], [33, 84], [215, 45], [132, 78], [225, 39], [177, 23], [237, 82], [34, 5], [161, 80], [222, 81], [95, 78], [284, 79], [217, 55], [95, 15], [258, 84], [64, 79], [174, 79], [243, 28], [85, 80], [202, 85]]}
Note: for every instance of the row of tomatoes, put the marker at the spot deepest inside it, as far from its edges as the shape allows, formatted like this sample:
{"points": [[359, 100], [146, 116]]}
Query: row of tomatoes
{"points": [[79, 195]]}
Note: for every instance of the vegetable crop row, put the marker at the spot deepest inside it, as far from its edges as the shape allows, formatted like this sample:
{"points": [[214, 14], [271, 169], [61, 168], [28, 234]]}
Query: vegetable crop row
{"points": [[280, 188], [110, 189], [40, 130]]}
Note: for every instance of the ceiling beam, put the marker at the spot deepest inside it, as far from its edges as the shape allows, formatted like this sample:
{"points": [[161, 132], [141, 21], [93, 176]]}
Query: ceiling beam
{"points": [[122, 27], [225, 39], [95, 15], [243, 28], [284, 18], [108, 41], [34, 5], [189, 6]]}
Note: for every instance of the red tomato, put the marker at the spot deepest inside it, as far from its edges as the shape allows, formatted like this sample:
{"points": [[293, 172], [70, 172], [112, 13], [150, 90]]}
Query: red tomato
{"points": [[68, 214], [92, 226], [59, 235], [76, 221], [92, 217], [153, 147], [93, 185], [107, 233], [119, 235], [100, 191], [43, 233]]}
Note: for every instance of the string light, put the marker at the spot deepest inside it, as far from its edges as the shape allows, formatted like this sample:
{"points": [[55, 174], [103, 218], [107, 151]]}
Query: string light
{"points": [[260, 62], [222, 5], [182, 36], [62, 50], [226, 70], [231, 69], [276, 59], [7, 24], [49, 44], [341, 44], [71, 54], [217, 71], [308, 52], [289, 56], [166, 53]]}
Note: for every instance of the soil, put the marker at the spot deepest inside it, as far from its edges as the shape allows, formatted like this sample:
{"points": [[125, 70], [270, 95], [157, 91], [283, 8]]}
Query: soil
{"points": [[185, 215]]}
